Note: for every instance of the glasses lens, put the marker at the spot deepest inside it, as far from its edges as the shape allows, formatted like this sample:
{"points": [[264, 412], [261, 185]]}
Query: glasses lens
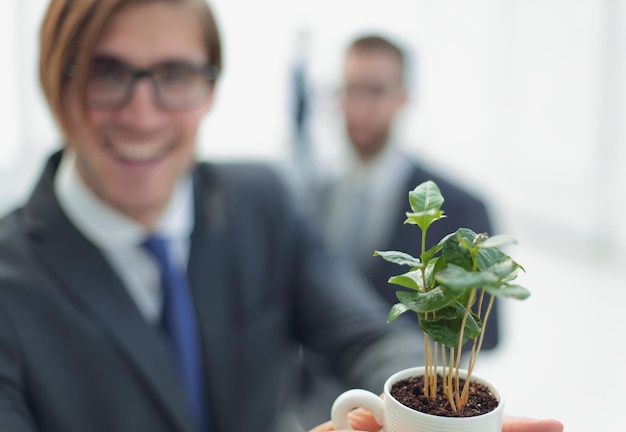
{"points": [[181, 85], [108, 83], [367, 92]]}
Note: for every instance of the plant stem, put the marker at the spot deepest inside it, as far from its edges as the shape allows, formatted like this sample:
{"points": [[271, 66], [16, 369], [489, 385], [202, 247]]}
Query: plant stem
{"points": [[444, 381], [479, 310], [470, 368], [478, 342], [427, 366], [457, 384], [434, 377], [476, 348], [487, 315], [430, 366], [448, 380], [482, 333]]}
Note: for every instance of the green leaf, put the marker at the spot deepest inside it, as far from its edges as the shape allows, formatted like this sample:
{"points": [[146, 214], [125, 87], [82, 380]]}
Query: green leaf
{"points": [[435, 265], [430, 253], [496, 241], [459, 278], [411, 279], [400, 258], [425, 197], [446, 327], [466, 237], [433, 300], [396, 310], [504, 269], [455, 253], [488, 257], [509, 291], [426, 201], [465, 298], [424, 219]]}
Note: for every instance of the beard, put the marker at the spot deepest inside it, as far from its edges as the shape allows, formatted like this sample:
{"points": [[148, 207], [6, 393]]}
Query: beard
{"points": [[367, 143]]}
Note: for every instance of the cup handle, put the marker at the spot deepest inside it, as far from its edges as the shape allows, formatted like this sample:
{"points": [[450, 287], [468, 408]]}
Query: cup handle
{"points": [[351, 399]]}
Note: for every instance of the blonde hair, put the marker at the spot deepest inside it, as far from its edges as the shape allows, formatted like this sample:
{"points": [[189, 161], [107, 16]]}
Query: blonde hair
{"points": [[69, 34]]}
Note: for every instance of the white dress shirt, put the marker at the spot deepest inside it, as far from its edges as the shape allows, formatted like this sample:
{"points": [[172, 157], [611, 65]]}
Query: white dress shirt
{"points": [[364, 202], [120, 237]]}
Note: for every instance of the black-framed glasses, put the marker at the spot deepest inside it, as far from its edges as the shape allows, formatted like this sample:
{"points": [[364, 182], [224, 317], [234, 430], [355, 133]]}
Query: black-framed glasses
{"points": [[368, 91], [176, 85]]}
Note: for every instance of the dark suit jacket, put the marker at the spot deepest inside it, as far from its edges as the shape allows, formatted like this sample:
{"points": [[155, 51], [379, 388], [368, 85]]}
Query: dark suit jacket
{"points": [[76, 355], [462, 209]]}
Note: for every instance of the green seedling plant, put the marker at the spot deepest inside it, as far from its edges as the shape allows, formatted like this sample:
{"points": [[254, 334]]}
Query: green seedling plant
{"points": [[452, 288]]}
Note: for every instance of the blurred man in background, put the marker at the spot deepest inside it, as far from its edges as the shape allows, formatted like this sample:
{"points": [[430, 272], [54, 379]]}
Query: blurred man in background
{"points": [[364, 208]]}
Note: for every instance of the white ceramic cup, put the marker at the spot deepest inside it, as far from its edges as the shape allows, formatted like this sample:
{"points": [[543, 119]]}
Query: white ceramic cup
{"points": [[396, 417]]}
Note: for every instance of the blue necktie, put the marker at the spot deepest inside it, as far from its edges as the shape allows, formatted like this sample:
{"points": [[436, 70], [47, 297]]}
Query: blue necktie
{"points": [[179, 322]]}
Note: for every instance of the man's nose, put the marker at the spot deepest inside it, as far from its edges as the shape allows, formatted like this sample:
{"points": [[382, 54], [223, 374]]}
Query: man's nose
{"points": [[142, 108]]}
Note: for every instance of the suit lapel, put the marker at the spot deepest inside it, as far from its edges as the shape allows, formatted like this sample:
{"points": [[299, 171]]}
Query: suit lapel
{"points": [[87, 279], [212, 279]]}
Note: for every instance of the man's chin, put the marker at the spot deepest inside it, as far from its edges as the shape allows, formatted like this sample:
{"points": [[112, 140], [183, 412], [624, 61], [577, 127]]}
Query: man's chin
{"points": [[366, 150]]}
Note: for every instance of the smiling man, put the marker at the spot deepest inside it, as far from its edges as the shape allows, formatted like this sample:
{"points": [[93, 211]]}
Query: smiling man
{"points": [[142, 290]]}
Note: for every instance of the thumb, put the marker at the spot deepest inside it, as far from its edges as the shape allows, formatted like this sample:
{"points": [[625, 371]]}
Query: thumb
{"points": [[522, 424]]}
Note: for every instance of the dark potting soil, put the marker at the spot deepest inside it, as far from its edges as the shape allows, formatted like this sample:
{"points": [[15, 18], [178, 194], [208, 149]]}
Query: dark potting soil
{"points": [[410, 392]]}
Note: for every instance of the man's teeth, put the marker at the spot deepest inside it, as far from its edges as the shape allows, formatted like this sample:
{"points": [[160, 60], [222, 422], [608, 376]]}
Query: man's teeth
{"points": [[138, 152]]}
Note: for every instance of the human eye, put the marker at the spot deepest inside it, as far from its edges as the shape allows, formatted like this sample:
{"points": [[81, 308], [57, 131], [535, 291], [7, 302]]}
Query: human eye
{"points": [[173, 73], [367, 90], [109, 72]]}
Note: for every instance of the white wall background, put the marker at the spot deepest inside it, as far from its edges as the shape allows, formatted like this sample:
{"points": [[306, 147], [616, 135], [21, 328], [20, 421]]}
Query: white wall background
{"points": [[522, 100]]}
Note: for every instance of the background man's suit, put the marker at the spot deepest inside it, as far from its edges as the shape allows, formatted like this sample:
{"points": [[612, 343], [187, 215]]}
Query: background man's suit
{"points": [[76, 355]]}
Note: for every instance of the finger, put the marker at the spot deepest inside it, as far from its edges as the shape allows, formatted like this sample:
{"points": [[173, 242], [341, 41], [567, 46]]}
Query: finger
{"points": [[328, 426], [360, 419], [363, 420], [521, 424]]}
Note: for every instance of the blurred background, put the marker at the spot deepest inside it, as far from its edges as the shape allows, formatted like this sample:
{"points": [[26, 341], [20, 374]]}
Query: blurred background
{"points": [[523, 101]]}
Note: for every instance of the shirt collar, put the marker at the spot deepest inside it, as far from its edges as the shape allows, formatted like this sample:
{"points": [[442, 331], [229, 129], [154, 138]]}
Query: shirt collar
{"points": [[389, 162], [107, 227]]}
